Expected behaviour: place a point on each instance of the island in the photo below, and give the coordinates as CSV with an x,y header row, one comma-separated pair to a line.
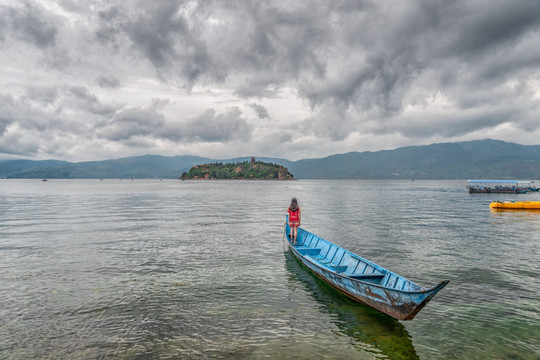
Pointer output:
x,y
252,170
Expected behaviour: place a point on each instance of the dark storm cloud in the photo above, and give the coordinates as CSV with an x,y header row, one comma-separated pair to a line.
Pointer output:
x,y
356,62
155,31
22,113
30,23
83,99
108,82
260,110
133,122
110,24
347,58
150,123
9,112
469,49
415,69
210,127
13,145
70,97
449,126
261,43
162,35
62,109
486,26
344,53
270,44
43,94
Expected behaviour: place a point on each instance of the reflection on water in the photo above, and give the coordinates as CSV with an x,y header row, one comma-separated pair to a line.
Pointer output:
x,y
371,330
516,213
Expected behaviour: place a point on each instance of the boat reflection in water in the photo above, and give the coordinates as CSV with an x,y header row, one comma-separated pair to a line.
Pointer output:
x,y
370,328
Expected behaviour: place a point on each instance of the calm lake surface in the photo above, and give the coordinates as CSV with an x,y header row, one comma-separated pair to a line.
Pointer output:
x,y
149,269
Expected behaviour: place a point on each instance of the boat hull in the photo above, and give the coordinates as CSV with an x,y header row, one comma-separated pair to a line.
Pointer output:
x,y
498,191
349,276
519,205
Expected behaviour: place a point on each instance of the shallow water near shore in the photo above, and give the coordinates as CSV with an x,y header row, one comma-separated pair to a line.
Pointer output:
x,y
133,269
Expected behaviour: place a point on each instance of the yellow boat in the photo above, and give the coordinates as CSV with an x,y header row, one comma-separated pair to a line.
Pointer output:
x,y
526,205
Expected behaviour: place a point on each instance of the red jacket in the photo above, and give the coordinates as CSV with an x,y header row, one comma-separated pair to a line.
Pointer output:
x,y
294,216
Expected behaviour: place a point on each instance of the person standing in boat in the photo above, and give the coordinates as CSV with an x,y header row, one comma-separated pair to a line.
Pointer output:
x,y
294,219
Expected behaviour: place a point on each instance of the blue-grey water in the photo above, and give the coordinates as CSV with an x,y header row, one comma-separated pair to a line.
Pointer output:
x,y
149,269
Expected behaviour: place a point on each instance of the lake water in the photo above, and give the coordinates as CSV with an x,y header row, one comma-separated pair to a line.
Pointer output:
x,y
149,269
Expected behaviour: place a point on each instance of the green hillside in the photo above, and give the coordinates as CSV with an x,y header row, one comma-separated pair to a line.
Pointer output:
x,y
147,166
256,170
462,160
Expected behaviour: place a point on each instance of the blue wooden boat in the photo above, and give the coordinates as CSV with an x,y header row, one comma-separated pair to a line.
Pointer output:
x,y
361,279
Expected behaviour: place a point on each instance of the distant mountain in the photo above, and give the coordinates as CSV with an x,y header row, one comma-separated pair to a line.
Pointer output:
x,y
147,166
15,166
490,159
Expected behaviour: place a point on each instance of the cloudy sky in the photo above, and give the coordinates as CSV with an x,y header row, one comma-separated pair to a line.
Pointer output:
x,y
91,80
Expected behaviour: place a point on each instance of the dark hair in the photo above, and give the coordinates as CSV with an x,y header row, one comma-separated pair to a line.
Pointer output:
x,y
294,204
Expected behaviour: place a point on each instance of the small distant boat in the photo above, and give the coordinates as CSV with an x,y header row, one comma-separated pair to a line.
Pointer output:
x,y
500,186
521,205
361,279
43,179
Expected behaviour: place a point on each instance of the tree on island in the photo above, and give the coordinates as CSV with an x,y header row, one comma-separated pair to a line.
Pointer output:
x,y
246,170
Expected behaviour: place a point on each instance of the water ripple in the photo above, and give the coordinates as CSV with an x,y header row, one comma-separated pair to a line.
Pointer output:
x,y
169,269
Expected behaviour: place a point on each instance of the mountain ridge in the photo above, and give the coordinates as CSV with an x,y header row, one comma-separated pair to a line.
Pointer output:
x,y
458,160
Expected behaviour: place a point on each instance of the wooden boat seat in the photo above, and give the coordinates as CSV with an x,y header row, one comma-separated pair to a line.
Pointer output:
x,y
338,269
366,276
321,260
308,251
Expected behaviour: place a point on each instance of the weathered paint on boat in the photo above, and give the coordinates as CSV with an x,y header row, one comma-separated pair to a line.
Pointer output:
x,y
361,279
520,205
